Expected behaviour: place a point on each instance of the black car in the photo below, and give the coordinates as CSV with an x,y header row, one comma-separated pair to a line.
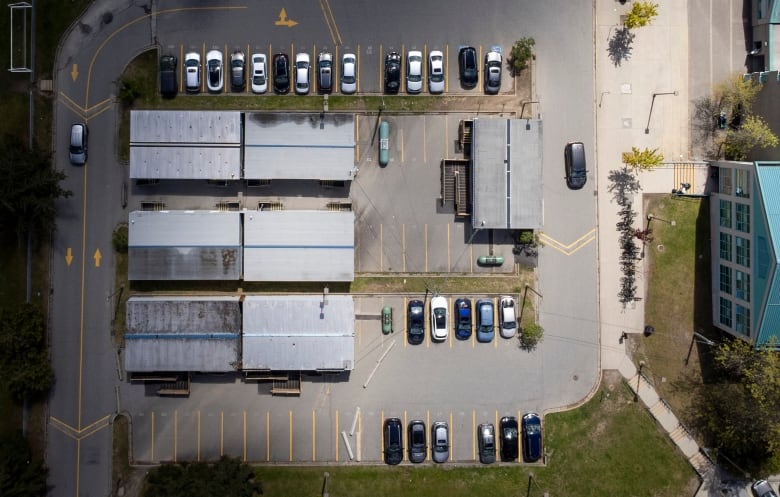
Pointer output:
x,y
417,447
168,81
325,72
532,437
393,441
574,159
281,65
415,317
463,319
392,72
509,441
467,64
237,70
486,443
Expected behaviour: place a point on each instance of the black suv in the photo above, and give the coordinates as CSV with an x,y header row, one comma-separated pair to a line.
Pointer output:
x,y
393,440
509,441
281,73
467,64
417,446
392,72
168,83
416,321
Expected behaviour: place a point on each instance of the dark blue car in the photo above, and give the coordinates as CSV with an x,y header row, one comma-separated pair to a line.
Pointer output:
x,y
415,325
463,319
532,437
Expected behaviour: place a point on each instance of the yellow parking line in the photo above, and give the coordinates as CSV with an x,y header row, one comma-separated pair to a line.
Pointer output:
x,y
452,436
479,73
182,74
221,433
446,65
403,67
381,61
425,142
403,245
357,69
474,435
198,449
202,75
423,68
152,435
313,435
267,436
426,247
225,62
175,433
337,435
403,441
244,436
496,425
449,306
496,334
381,248
405,319
291,435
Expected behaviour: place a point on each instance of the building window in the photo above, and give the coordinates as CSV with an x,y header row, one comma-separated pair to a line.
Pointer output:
x,y
724,180
725,213
725,312
725,247
742,217
742,321
742,187
725,279
760,9
742,285
743,251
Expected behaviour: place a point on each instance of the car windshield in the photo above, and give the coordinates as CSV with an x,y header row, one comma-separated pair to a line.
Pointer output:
x,y
214,72
440,315
532,428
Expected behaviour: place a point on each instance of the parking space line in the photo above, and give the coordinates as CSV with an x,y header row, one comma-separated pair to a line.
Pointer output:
x,y
182,74
446,134
446,80
452,437
381,248
423,68
360,436
404,323
224,60
357,72
203,59
496,336
313,436
496,425
428,426
267,436
425,142
247,77
519,456
474,435
245,436
337,435
403,245
221,433
175,434
426,247
152,436
403,73
452,318
357,150
479,73
403,442
449,264
198,443
291,433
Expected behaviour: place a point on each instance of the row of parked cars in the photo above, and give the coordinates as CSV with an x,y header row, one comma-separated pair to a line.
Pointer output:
x,y
279,72
509,440
462,322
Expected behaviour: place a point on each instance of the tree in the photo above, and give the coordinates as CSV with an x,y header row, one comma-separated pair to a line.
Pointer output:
x,y
641,14
752,133
24,361
20,474
640,160
228,476
29,189
735,95
531,336
521,53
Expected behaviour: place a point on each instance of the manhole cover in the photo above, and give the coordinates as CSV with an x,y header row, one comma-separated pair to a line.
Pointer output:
x,y
660,247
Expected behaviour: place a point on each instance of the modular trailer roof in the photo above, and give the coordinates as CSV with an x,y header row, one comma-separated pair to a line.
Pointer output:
x,y
299,146
182,334
185,144
184,245
299,246
506,173
299,333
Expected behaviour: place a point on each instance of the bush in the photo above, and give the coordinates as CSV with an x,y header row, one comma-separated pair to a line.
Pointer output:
x,y
522,51
531,336
119,239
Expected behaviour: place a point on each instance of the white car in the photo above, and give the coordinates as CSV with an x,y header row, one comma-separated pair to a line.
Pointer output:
x,y
348,73
302,63
214,70
436,71
508,317
439,328
192,72
259,74
414,63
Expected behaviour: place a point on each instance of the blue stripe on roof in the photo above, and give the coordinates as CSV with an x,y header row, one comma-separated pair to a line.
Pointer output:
x,y
179,336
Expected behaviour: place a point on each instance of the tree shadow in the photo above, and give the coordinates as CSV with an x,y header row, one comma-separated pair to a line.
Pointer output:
x,y
620,46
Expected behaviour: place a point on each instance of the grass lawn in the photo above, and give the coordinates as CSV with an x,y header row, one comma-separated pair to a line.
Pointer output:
x,y
610,446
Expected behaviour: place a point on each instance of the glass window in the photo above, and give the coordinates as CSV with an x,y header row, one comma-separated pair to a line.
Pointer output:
x,y
724,180
742,315
742,217
725,312
742,285
743,251
725,213
725,279
742,186
725,246
760,10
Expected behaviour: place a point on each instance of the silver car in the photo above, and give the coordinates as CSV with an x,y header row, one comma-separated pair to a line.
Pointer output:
x,y
348,73
414,63
440,442
508,317
302,63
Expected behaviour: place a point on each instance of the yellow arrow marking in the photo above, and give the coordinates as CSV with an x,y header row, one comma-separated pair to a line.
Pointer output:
x,y
68,256
97,257
283,21
74,72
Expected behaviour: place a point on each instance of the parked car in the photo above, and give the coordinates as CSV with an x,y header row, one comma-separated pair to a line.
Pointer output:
x,y
392,72
486,443
762,488
493,71
416,322
192,72
324,72
439,326
414,63
259,73
532,437
169,84
281,73
485,326
302,73
387,320
508,317
463,319
237,70
436,71
348,73
440,442
509,441
393,441
574,159
417,446
77,150
214,76
467,67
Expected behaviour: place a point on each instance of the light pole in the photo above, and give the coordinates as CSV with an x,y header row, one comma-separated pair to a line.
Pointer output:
x,y
522,109
652,103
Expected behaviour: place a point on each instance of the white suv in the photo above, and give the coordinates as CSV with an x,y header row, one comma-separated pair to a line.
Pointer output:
x,y
192,68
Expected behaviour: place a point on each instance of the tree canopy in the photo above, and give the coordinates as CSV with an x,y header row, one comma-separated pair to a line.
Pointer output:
x,y
753,132
641,14
24,361
642,159
228,476
20,475
521,53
